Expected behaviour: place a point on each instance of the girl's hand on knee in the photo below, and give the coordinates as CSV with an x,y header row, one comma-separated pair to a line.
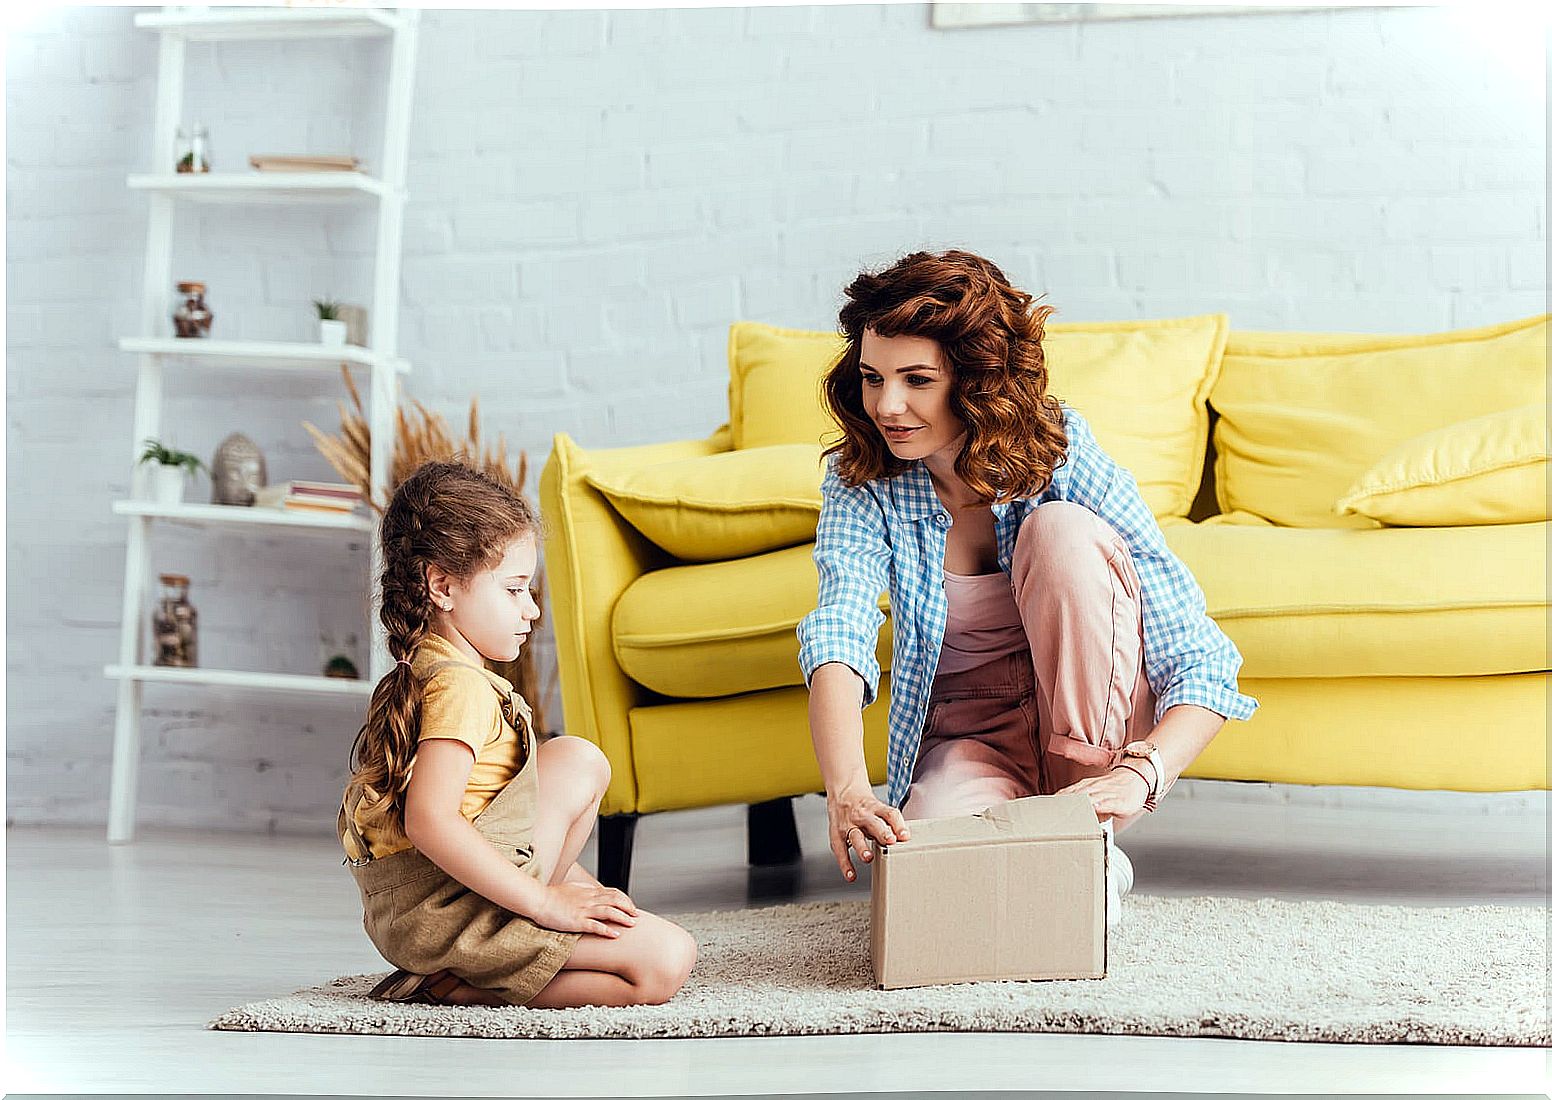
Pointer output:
x,y
857,817
586,907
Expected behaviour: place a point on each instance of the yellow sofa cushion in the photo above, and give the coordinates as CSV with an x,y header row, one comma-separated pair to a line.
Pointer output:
x,y
1392,601
721,506
1303,415
1488,469
704,631
1143,386
774,377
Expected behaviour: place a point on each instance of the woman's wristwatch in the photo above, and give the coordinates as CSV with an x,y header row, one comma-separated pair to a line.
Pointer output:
x,y
1145,750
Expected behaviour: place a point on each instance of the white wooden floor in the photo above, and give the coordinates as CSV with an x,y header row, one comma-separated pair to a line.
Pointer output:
x,y
118,955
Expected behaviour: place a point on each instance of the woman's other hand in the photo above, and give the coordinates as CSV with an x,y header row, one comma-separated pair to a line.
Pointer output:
x,y
1120,792
856,817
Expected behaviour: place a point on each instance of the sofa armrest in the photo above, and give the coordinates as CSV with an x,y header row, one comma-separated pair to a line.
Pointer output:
x,y
591,556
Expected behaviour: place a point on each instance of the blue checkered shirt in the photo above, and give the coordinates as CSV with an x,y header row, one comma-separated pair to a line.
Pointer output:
x,y
891,534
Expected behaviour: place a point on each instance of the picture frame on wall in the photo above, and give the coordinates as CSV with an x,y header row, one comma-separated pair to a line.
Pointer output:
x,y
955,16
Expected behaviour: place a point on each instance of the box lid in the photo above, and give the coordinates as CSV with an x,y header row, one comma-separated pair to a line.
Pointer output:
x,y
1038,817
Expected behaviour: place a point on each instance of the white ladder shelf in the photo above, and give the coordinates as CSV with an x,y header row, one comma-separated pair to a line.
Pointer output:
x,y
156,351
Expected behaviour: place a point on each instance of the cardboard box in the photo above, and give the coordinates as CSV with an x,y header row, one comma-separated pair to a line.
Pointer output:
x,y
1015,892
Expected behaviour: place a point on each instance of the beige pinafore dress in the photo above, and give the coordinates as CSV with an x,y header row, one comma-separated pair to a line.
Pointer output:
x,y
424,920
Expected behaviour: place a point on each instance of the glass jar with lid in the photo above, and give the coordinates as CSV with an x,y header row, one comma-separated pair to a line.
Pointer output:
x,y
192,317
175,624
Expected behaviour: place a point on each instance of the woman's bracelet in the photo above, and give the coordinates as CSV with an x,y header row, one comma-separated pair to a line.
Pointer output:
x,y
1138,774
1152,800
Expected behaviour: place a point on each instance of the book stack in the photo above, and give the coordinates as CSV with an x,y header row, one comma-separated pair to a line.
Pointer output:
x,y
276,162
311,496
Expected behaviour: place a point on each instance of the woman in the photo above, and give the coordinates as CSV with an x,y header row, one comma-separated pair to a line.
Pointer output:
x,y
1045,637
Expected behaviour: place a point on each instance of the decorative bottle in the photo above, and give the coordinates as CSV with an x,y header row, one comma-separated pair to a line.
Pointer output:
x,y
192,318
176,624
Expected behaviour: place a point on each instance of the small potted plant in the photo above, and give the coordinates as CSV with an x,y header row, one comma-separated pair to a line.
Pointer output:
x,y
331,330
170,470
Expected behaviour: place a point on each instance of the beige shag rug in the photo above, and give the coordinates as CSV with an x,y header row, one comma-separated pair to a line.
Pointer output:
x,y
1228,967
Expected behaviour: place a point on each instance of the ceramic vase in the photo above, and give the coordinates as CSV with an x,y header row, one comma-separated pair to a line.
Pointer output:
x,y
167,483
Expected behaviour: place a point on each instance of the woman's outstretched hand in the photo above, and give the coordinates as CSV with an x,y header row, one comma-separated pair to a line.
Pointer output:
x,y
1120,792
857,817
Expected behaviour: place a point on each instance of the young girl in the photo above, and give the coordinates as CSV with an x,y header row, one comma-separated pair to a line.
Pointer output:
x,y
461,830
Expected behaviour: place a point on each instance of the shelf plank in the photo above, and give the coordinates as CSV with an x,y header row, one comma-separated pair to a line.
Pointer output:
x,y
263,188
253,516
237,24
276,355
255,681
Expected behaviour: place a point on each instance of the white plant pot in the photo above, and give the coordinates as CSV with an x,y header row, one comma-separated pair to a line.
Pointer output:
x,y
331,334
167,484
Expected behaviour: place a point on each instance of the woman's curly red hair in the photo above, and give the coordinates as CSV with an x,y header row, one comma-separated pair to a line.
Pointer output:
x,y
990,333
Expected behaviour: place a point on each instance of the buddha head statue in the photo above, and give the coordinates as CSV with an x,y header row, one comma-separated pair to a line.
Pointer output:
x,y
237,471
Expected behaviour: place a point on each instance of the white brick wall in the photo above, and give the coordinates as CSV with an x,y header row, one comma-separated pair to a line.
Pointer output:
x,y
596,195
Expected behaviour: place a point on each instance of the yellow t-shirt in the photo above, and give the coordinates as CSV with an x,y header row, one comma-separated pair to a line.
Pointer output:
x,y
460,702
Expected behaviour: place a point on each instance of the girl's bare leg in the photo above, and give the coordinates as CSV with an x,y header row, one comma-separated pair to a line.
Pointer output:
x,y
647,964
650,960
573,775
579,873
585,986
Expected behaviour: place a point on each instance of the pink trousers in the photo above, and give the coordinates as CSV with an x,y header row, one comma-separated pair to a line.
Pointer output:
x,y
1039,719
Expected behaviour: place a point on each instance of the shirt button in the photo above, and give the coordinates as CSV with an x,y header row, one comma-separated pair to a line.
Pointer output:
x,y
942,519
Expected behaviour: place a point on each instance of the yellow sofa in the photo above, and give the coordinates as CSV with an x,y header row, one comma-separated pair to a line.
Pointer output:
x,y
1367,516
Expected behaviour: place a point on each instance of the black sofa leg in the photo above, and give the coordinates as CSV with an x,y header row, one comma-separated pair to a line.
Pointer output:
x,y
616,835
773,834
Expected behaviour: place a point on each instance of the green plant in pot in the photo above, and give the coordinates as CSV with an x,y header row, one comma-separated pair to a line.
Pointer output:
x,y
331,330
341,667
170,470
